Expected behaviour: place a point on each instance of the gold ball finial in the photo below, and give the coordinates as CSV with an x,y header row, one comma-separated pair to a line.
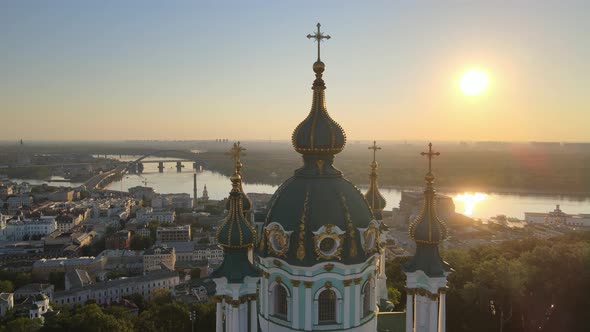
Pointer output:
x,y
319,67
235,178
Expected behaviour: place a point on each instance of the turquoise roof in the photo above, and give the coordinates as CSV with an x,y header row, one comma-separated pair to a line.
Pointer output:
x,y
427,259
235,266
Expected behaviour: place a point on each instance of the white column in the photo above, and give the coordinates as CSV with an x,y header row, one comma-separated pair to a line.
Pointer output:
x,y
433,315
235,318
346,318
219,317
308,306
253,316
295,304
442,317
410,313
357,301
228,318
243,310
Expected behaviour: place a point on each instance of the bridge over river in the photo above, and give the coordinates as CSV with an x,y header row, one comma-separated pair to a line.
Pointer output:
x,y
100,181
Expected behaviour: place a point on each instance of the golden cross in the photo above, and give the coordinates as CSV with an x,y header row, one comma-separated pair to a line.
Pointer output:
x,y
318,36
430,155
236,151
374,147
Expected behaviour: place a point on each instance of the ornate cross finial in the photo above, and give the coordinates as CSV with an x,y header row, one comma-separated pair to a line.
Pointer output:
x,y
236,152
318,36
374,147
430,155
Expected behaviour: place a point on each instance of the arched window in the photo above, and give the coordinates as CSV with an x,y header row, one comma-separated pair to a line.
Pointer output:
x,y
367,305
327,307
280,302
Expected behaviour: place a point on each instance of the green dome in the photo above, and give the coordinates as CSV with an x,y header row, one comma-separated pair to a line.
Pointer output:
x,y
427,228
236,231
376,201
304,203
318,133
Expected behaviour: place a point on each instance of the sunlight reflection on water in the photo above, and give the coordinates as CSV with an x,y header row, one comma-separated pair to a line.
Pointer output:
x,y
470,200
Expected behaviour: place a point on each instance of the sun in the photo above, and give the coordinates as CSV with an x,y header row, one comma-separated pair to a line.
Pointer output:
x,y
474,82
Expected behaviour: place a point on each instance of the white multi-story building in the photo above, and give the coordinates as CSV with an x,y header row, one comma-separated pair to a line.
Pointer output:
x,y
66,221
17,229
157,257
114,290
144,215
212,253
94,265
558,217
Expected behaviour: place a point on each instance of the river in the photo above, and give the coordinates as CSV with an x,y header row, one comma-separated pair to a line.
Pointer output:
x,y
476,205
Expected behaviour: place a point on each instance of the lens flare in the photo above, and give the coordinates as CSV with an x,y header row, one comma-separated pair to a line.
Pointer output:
x,y
470,200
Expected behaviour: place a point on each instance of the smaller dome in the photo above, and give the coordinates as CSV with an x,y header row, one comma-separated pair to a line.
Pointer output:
x,y
318,133
236,231
427,228
376,201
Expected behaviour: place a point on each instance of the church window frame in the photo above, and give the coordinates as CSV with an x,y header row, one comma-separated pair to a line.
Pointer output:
x,y
320,304
281,302
327,306
277,289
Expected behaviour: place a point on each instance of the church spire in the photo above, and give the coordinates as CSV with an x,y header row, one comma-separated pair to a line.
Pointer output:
x,y
236,152
426,273
318,134
428,229
236,231
373,196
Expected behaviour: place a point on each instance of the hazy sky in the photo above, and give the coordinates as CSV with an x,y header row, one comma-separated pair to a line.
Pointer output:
x,y
242,70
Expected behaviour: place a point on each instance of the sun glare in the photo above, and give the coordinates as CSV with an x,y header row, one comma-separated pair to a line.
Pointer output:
x,y
473,82
470,200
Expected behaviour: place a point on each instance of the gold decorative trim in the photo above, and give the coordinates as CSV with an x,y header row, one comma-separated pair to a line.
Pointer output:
x,y
328,284
320,164
279,237
301,244
278,279
352,249
266,274
295,283
357,281
328,267
328,234
308,284
277,262
370,238
347,282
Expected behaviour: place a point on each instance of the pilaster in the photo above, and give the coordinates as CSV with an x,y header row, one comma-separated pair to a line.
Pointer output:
x,y
309,305
357,301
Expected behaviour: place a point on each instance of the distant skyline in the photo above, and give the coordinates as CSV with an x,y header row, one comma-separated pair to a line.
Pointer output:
x,y
188,70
